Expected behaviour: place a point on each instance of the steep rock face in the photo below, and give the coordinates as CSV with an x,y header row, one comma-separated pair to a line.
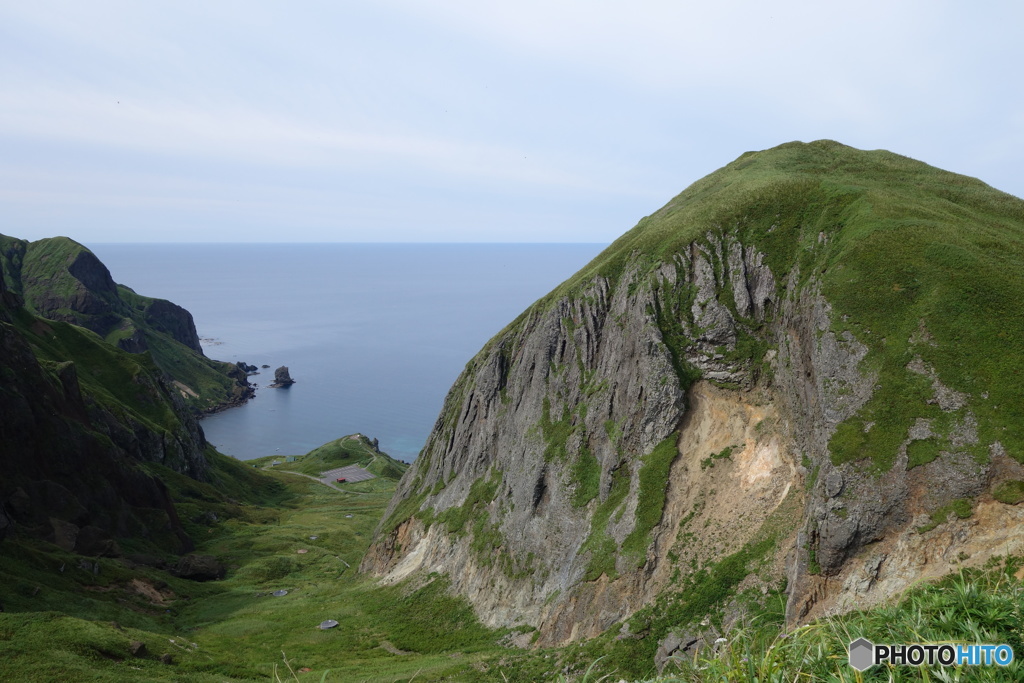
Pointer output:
x,y
175,321
573,418
758,381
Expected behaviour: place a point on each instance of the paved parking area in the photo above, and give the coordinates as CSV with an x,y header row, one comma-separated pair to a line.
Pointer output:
x,y
352,473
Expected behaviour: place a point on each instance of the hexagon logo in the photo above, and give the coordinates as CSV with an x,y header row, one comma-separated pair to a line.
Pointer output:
x,y
862,654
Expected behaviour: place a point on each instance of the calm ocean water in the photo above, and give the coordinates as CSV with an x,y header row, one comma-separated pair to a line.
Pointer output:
x,y
373,334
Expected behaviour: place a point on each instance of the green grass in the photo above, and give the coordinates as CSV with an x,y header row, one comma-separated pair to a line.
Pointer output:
x,y
602,547
57,625
973,606
481,493
123,382
961,507
354,449
586,478
703,592
724,454
1010,492
557,432
654,470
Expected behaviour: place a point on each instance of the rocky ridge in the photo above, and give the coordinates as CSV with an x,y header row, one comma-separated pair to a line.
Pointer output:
x,y
712,397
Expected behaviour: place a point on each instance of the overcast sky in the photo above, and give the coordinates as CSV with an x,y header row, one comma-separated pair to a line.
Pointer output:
x,y
461,120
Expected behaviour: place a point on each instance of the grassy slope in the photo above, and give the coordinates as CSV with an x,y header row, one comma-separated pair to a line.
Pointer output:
x,y
896,246
974,606
115,378
58,624
354,449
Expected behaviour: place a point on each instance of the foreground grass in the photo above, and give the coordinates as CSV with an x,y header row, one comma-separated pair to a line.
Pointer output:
x,y
974,606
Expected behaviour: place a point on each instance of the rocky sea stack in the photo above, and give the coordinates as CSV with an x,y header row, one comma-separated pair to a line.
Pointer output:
x,y
282,378
804,370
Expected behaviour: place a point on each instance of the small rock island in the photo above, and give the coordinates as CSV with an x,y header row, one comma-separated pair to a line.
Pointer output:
x,y
282,378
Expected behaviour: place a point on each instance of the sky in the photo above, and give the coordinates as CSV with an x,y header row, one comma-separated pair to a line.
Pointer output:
x,y
467,121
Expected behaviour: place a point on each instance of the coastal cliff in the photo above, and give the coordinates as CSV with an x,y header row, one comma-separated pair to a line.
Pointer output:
x,y
800,372
61,280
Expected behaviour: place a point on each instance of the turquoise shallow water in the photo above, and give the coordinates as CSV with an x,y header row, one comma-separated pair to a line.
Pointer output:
x,y
373,334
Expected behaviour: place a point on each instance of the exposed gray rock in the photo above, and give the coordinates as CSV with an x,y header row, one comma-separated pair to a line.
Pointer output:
x,y
598,364
169,317
834,484
282,378
596,374
681,645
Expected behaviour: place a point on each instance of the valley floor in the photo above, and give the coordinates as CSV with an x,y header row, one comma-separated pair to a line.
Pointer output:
x,y
73,618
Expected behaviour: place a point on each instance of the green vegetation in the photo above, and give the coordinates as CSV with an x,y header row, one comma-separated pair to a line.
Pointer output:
x,y
1010,492
923,267
961,507
124,383
557,432
672,306
56,275
354,449
207,378
60,624
586,478
602,547
974,606
72,618
724,454
897,247
703,592
481,493
654,472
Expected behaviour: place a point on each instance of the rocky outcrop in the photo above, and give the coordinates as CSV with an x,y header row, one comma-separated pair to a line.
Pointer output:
x,y
712,399
282,378
175,321
200,568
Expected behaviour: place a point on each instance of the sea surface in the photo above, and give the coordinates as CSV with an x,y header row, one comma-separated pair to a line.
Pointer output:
x,y
373,334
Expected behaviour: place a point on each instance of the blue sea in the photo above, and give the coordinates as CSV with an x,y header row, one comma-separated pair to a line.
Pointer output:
x,y
373,334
